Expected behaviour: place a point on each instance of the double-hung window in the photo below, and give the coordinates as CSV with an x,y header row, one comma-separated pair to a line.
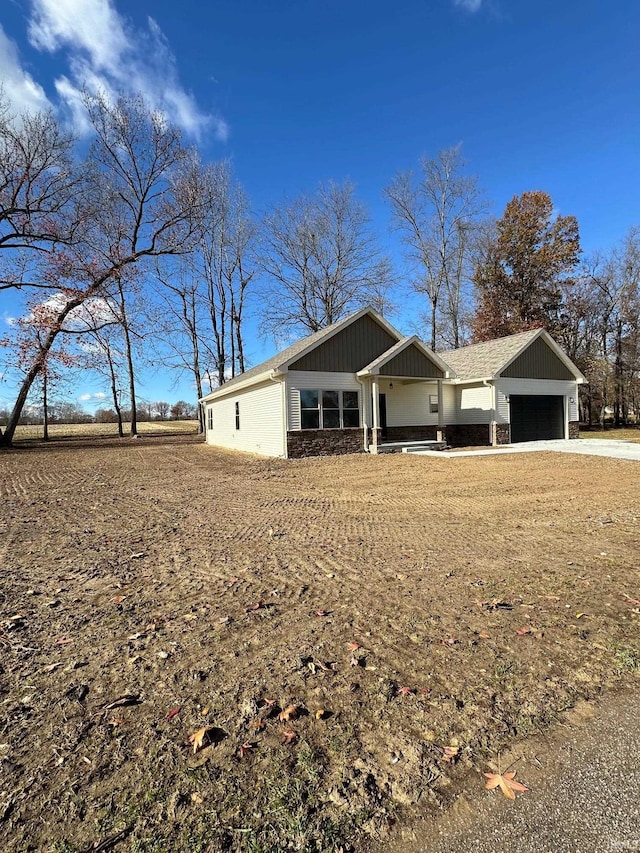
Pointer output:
x,y
210,417
326,409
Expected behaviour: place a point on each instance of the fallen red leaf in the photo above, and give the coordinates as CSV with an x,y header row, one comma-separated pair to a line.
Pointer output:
x,y
353,647
172,713
289,736
253,607
246,747
321,612
406,691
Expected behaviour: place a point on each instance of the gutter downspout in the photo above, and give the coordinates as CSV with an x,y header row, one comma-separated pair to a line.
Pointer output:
x,y
362,384
278,376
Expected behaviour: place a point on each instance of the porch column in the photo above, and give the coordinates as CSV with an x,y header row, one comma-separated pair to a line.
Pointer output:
x,y
440,410
366,396
376,413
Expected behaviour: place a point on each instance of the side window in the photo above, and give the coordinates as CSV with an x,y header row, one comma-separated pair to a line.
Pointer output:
x,y
330,410
350,410
210,417
433,404
237,415
309,409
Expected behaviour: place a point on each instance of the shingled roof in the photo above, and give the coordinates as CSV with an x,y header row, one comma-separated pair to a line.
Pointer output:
x,y
482,361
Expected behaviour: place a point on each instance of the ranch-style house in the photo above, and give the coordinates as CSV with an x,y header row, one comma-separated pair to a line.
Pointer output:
x,y
360,386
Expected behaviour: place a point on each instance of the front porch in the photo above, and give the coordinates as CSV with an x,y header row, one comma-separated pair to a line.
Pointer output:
x,y
402,411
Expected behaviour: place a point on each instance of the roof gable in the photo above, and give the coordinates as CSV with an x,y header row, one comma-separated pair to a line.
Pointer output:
x,y
409,357
350,349
496,358
537,361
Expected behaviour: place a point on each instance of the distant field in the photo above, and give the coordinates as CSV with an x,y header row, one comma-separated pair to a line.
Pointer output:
x,y
622,434
24,433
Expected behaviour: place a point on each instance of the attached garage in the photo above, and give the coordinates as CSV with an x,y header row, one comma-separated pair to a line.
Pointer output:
x,y
536,417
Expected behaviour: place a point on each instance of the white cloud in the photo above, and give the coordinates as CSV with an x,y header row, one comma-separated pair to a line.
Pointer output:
x,y
22,91
468,5
85,398
106,54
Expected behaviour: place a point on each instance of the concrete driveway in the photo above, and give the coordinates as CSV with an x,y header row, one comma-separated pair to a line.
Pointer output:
x,y
586,446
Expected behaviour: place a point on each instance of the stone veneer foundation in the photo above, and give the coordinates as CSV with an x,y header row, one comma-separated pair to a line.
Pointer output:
x,y
324,442
501,434
467,435
336,442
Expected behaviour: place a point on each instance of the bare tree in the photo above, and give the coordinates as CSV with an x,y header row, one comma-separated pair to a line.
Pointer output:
x,y
103,353
320,259
437,213
142,201
203,295
224,265
180,322
38,181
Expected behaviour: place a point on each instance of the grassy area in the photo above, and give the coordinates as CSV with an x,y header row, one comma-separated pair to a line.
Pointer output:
x,y
619,434
29,433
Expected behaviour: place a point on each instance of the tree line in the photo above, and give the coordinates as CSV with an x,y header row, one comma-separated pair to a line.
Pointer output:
x,y
138,253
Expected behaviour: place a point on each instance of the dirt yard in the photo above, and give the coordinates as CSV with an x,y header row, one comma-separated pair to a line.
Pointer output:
x,y
419,615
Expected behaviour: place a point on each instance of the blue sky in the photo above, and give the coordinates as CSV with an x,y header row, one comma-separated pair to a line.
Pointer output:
x,y
542,95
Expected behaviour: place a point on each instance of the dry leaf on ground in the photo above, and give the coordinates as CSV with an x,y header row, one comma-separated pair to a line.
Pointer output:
x,y
199,738
289,713
246,748
506,782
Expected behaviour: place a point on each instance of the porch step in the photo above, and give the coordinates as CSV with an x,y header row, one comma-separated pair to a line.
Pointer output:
x,y
410,446
425,445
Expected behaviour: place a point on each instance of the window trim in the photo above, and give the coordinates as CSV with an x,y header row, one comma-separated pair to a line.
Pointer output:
x,y
209,417
237,409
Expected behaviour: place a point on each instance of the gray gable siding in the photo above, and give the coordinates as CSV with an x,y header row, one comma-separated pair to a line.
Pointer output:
x,y
538,361
350,350
411,362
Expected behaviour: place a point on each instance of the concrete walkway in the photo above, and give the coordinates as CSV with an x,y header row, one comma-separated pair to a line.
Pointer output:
x,y
584,781
587,446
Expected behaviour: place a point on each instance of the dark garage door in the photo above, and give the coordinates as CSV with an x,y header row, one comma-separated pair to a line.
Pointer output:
x,y
536,418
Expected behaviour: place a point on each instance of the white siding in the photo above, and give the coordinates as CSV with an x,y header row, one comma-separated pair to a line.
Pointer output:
x,y
261,427
566,389
300,380
408,405
473,404
449,404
